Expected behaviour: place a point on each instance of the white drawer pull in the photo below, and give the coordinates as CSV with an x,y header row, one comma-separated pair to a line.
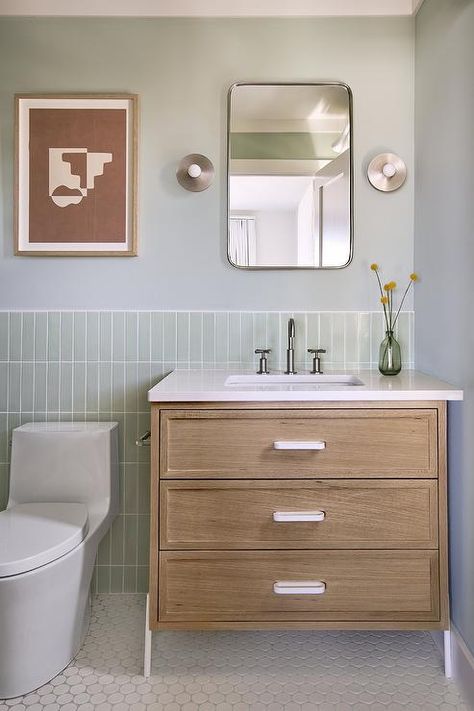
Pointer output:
x,y
299,445
299,587
289,516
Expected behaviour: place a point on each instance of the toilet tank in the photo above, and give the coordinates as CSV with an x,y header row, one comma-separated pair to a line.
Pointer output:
x,y
65,462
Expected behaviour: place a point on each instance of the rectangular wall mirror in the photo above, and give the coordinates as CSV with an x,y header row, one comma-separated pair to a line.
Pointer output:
x,y
289,176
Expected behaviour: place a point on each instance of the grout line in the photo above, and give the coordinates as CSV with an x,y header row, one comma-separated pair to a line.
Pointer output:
x,y
150,339
240,334
305,337
202,337
98,338
111,354
162,338
344,354
33,400
192,311
73,346
21,361
60,356
47,364
137,426
331,337
189,339
124,438
9,369
214,338
370,338
98,373
176,354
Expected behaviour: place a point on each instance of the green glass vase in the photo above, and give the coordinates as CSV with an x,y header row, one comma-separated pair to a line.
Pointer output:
x,y
390,359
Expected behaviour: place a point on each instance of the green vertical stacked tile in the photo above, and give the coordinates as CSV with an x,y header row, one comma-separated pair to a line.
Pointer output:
x,y
99,365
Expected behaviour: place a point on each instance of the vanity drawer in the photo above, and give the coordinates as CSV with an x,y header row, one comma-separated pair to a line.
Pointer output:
x,y
267,443
384,586
394,513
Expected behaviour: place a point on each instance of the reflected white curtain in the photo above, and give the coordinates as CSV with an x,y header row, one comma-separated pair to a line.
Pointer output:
x,y
243,241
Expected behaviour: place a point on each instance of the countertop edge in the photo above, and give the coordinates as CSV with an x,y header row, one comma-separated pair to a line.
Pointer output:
x,y
373,396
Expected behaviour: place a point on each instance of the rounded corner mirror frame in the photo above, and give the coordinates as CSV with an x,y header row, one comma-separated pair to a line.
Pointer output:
x,y
230,94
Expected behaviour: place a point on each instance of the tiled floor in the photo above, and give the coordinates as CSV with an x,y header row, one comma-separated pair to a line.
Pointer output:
x,y
243,671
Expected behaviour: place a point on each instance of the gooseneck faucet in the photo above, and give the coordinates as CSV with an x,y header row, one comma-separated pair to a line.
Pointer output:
x,y
290,353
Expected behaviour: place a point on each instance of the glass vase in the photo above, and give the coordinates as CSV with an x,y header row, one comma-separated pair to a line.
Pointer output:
x,y
390,359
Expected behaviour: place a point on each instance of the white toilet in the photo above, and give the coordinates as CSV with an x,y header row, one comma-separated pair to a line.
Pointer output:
x,y
64,494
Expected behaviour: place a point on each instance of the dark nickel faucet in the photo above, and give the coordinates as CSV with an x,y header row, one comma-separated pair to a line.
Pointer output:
x,y
290,353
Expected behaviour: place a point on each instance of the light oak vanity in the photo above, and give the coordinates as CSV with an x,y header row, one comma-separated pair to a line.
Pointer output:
x,y
299,508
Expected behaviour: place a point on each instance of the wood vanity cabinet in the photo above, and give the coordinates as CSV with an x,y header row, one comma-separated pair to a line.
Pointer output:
x,y
226,477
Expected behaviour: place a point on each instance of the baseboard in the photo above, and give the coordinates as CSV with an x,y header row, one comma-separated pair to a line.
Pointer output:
x,y
463,662
463,666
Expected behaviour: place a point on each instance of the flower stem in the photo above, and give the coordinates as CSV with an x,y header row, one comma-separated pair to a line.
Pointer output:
x,y
382,295
401,302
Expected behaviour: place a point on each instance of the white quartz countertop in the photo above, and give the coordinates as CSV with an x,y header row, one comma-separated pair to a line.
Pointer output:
x,y
208,385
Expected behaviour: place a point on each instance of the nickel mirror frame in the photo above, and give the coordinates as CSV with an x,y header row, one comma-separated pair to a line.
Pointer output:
x,y
351,169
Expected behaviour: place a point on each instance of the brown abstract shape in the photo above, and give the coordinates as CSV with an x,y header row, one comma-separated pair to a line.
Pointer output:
x,y
63,190
78,163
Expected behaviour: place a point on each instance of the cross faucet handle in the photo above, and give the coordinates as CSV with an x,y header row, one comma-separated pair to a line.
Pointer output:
x,y
316,360
263,362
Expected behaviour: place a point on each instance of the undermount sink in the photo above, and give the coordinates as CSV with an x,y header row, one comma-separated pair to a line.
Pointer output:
x,y
297,379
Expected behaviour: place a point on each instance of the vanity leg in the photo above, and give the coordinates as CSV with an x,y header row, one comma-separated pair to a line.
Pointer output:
x,y
148,636
448,655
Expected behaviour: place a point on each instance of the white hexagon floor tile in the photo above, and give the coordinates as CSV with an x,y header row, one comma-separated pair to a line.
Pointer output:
x,y
243,671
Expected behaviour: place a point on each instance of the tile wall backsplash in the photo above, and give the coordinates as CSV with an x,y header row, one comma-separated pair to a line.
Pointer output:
x,y
98,365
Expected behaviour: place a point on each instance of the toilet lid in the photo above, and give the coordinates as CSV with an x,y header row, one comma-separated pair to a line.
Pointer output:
x,y
32,535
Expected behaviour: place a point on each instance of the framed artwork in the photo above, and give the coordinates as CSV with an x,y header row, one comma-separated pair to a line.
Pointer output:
x,y
75,177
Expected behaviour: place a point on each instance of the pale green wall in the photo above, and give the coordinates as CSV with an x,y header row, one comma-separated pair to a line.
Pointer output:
x,y
182,69
444,251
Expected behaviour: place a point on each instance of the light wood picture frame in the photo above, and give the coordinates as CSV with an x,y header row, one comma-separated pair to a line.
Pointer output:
x,y
75,187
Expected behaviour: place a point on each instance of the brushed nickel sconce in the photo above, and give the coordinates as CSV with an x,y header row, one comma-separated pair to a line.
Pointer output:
x,y
195,172
387,172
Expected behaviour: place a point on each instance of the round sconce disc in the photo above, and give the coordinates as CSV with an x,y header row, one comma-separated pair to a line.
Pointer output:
x,y
202,179
387,172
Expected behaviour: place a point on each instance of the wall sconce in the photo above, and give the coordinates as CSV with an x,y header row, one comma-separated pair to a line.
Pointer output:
x,y
387,172
195,172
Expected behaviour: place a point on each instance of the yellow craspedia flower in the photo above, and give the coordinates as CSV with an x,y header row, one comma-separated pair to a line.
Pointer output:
x,y
390,285
414,276
384,300
374,266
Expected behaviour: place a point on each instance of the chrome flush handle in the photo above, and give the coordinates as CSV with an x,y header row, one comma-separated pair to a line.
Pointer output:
x,y
144,440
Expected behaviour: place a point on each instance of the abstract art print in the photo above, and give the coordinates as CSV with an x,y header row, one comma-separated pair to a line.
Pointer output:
x,y
75,181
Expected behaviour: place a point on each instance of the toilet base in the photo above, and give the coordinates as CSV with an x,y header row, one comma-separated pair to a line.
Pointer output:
x,y
44,616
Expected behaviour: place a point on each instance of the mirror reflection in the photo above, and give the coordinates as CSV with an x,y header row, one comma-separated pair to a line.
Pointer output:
x,y
289,176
